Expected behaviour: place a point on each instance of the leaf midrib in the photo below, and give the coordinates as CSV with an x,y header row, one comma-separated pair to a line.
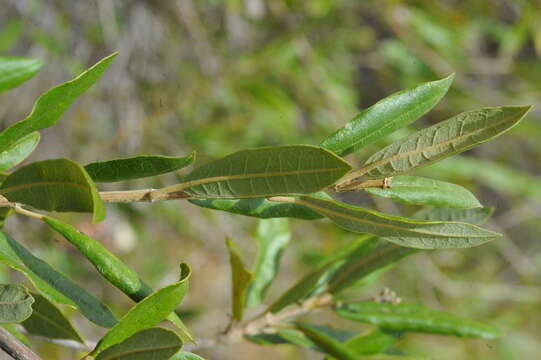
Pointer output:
x,y
58,325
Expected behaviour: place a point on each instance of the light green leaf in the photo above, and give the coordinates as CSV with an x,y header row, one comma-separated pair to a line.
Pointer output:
x,y
149,344
51,105
16,70
146,313
327,343
53,284
441,140
136,167
477,216
54,185
107,264
15,303
184,355
48,321
409,317
375,342
241,278
267,171
399,230
272,236
18,151
386,116
422,191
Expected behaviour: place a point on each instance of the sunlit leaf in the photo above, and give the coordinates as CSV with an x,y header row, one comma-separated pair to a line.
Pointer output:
x,y
18,151
185,355
16,70
15,303
241,278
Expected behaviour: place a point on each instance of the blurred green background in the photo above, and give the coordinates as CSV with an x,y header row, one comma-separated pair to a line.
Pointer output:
x,y
218,76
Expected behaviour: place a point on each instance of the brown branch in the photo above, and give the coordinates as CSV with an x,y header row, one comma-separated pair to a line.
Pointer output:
x,y
14,348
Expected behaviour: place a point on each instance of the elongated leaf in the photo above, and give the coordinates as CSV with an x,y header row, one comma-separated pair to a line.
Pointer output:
x,y
185,355
272,236
422,191
149,344
241,278
18,151
54,185
107,264
15,303
267,171
477,216
53,284
375,342
399,230
386,116
259,208
409,317
327,343
51,105
48,321
136,167
16,70
444,139
147,313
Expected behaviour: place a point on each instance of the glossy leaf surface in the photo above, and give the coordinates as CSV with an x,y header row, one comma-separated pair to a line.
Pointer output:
x,y
54,185
15,303
272,236
409,317
51,105
423,191
386,116
267,171
149,344
16,70
18,151
136,167
53,284
48,321
241,278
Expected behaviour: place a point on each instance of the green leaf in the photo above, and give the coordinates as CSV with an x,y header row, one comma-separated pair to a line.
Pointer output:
x,y
272,236
54,185
386,116
53,284
149,344
48,321
184,355
267,171
375,342
147,313
136,167
18,151
449,137
259,208
477,216
327,343
5,212
399,230
51,105
241,277
422,191
15,303
16,70
409,317
107,264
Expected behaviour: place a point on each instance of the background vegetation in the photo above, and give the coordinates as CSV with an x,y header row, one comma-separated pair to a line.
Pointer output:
x,y
218,76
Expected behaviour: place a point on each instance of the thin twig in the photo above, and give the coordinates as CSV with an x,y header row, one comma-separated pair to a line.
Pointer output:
x,y
14,348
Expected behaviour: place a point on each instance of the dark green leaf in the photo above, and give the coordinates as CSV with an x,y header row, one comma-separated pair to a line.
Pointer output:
x,y
399,230
48,321
272,236
53,284
241,278
441,140
149,344
16,70
267,171
54,185
107,264
136,167
477,216
375,342
386,116
51,105
147,313
18,151
422,191
15,303
327,343
409,317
